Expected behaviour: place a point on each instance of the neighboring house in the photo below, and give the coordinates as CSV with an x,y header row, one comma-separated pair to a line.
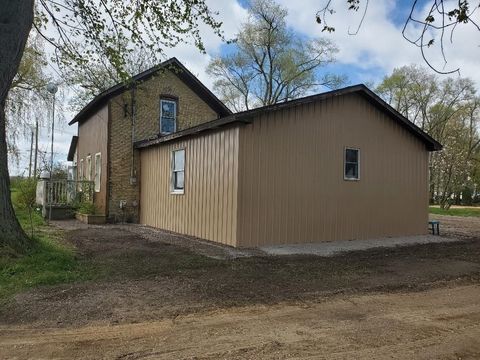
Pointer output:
x,y
341,165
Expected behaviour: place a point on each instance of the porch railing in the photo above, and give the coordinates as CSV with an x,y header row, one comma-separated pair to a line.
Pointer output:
x,y
64,192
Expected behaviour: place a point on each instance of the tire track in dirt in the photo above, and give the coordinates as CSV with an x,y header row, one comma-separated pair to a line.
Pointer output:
x,y
442,323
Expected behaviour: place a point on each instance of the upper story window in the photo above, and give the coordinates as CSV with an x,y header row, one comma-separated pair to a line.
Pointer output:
x,y
168,116
178,171
352,164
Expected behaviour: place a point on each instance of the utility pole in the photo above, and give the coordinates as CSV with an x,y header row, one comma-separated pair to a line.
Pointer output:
x,y
35,161
52,89
31,153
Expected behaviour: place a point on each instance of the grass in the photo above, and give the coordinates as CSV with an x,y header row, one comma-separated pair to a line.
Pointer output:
x,y
48,262
455,211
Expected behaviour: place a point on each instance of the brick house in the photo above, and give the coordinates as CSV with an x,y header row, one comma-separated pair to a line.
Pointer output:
x,y
340,165
167,99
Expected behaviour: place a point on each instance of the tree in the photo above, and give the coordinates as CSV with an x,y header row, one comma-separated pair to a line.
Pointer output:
x,y
448,110
27,103
100,26
91,81
438,23
269,63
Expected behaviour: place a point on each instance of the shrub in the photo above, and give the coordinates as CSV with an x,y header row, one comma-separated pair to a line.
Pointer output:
x,y
86,208
26,198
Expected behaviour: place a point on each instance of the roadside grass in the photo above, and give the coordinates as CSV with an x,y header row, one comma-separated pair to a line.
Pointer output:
x,y
454,211
49,261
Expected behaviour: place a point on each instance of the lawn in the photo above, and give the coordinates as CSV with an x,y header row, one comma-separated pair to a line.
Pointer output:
x,y
456,211
50,261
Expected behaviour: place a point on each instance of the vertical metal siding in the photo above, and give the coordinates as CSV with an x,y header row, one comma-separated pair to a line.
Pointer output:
x,y
291,186
207,209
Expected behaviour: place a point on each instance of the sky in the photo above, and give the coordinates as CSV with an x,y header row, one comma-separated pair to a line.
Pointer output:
x,y
366,57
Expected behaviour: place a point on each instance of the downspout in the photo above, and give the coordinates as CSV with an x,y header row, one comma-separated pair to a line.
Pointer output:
x,y
133,173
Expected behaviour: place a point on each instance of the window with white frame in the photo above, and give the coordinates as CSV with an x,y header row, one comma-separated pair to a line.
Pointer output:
x,y
168,116
98,171
89,168
80,170
178,171
352,164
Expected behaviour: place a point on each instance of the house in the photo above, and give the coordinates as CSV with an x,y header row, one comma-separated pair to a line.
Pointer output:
x,y
340,165
166,99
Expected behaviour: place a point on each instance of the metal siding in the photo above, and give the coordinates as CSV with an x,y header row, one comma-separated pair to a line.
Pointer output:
x,y
291,186
207,209
92,139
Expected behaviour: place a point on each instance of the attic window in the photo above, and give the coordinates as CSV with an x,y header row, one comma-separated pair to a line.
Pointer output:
x,y
352,164
168,116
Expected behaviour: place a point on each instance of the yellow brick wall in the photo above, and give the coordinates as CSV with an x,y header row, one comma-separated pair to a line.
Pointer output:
x,y
191,111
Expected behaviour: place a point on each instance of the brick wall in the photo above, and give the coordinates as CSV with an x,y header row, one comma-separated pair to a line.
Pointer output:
x,y
192,110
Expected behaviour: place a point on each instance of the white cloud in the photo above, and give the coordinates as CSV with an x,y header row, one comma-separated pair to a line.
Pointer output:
x,y
379,45
231,14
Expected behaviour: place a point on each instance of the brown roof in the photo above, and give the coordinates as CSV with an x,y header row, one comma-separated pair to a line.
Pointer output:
x,y
247,116
179,70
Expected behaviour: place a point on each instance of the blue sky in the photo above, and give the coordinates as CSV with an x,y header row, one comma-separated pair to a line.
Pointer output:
x,y
365,58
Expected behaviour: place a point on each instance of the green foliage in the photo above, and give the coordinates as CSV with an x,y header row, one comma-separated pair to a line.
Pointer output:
x,y
49,262
27,100
26,199
86,208
448,109
455,211
92,34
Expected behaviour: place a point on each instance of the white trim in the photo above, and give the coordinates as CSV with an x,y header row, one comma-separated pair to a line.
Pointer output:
x,y
345,163
98,155
81,173
174,116
174,191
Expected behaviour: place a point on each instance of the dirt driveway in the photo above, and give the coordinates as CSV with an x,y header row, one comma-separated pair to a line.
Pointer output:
x,y
160,300
435,324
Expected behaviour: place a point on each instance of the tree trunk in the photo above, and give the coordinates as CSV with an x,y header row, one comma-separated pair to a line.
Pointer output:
x,y
16,18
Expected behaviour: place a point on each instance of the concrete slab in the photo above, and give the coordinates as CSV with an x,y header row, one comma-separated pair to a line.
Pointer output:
x,y
335,247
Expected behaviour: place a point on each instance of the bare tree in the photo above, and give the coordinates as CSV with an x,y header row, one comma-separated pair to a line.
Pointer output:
x,y
437,26
269,63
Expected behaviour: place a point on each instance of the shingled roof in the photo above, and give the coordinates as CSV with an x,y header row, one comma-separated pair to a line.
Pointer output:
x,y
172,64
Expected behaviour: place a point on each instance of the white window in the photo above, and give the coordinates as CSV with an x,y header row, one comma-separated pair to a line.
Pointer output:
x,y
98,171
89,168
168,116
352,164
80,171
178,171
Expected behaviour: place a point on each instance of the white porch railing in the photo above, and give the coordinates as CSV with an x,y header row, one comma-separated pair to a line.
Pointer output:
x,y
63,192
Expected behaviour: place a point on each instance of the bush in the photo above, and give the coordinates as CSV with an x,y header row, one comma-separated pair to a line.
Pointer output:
x,y
26,198
86,208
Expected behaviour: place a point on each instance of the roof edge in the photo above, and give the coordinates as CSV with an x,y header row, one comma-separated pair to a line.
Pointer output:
x,y
184,74
72,148
247,117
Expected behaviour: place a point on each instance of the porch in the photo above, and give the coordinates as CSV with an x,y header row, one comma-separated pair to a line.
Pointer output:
x,y
61,199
